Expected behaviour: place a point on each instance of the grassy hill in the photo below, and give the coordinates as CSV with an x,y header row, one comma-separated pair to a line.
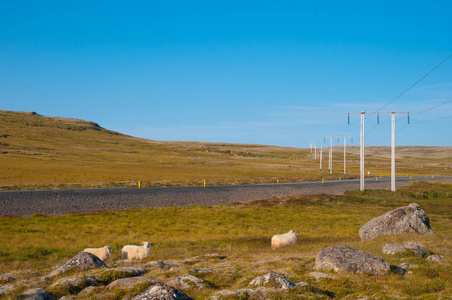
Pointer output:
x,y
51,152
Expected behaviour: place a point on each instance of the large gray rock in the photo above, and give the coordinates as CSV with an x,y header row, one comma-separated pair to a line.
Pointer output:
x,y
402,247
403,219
346,259
82,260
272,279
162,291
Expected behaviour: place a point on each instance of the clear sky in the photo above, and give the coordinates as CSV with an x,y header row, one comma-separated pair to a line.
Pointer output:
x,y
266,72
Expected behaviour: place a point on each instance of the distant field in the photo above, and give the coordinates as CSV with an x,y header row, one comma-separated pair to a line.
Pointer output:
x,y
50,152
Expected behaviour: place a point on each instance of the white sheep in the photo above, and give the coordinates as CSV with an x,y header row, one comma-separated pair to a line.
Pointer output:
x,y
103,253
286,239
136,252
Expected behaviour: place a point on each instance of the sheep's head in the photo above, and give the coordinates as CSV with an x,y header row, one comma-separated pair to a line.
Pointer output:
x,y
109,249
293,232
147,245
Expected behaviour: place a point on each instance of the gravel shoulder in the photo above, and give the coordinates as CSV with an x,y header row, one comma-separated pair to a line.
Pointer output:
x,y
58,202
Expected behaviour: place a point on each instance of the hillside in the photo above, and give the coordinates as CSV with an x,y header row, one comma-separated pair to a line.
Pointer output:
x,y
51,152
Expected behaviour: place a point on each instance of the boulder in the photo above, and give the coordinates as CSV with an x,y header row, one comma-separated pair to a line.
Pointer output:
x,y
82,260
346,259
403,219
162,291
402,247
187,281
272,279
36,294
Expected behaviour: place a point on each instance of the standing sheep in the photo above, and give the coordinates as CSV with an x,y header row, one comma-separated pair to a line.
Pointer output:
x,y
103,253
136,252
286,239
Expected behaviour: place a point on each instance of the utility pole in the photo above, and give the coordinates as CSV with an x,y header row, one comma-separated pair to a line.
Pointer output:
x,y
321,150
361,148
331,152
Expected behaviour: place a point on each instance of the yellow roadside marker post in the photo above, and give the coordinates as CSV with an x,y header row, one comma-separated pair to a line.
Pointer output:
x,y
139,184
323,179
204,183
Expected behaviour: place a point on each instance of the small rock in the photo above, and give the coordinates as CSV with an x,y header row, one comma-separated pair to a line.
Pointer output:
x,y
214,256
159,264
201,271
272,279
235,294
6,279
130,282
408,266
434,258
162,292
403,219
320,275
400,271
187,281
6,289
346,259
399,248
36,294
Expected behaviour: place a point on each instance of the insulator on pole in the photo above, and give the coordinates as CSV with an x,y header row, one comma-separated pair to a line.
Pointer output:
x,y
348,119
352,140
408,118
378,118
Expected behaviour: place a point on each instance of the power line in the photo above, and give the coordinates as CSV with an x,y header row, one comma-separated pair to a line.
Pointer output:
x,y
414,83
414,123
431,108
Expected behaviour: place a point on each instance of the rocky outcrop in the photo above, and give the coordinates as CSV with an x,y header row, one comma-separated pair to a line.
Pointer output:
x,y
187,281
417,250
343,258
82,260
162,292
403,219
274,280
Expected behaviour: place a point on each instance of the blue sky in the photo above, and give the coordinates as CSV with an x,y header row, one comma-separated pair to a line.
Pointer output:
x,y
266,72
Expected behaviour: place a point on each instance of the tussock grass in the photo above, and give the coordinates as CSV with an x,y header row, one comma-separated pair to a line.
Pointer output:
x,y
241,232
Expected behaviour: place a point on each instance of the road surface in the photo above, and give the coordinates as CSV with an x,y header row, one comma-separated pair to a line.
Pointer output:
x,y
57,202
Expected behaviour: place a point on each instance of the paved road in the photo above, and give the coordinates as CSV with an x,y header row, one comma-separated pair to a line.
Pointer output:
x,y
57,202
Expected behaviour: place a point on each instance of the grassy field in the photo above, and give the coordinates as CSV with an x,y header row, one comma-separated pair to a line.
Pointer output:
x,y
50,152
241,232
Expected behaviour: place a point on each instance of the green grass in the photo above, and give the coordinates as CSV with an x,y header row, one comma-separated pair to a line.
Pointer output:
x,y
241,232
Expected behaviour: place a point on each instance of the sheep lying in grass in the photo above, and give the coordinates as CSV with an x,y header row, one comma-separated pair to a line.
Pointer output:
x,y
136,252
103,253
286,239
